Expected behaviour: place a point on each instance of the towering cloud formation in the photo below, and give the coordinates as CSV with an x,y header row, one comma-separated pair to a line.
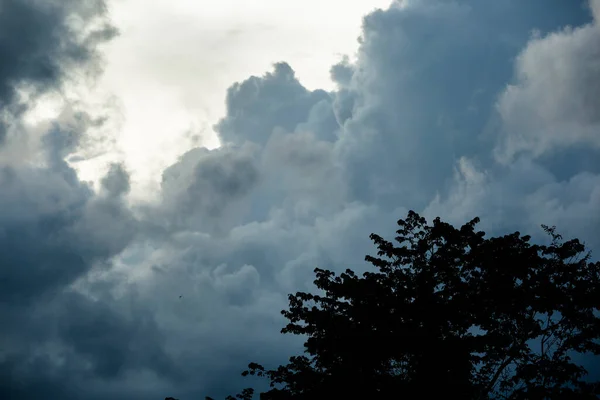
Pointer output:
x,y
455,109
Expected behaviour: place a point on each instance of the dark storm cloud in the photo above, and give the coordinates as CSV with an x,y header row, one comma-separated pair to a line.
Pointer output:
x,y
41,41
422,93
79,343
109,301
38,208
111,342
54,229
54,232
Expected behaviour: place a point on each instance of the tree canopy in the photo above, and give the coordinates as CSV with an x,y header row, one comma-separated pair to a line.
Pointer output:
x,y
446,312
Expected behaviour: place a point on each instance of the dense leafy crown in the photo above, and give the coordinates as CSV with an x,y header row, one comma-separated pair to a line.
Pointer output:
x,y
447,313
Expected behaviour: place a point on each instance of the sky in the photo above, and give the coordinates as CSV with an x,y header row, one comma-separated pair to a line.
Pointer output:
x,y
171,170
171,65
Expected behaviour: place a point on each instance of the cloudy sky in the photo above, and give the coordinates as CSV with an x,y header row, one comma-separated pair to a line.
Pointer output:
x,y
157,149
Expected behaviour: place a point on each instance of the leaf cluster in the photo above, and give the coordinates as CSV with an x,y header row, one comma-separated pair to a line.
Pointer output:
x,y
446,312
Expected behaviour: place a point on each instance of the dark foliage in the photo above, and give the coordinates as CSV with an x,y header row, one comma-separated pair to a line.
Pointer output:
x,y
446,313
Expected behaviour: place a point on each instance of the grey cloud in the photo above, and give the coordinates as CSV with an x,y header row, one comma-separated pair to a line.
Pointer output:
x,y
79,344
260,104
554,102
238,286
111,342
301,181
301,176
400,123
342,72
116,182
205,186
54,231
546,143
523,196
495,194
321,121
233,286
422,92
40,58
38,206
217,190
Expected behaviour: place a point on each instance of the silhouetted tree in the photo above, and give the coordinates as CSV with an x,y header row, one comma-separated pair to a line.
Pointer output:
x,y
447,313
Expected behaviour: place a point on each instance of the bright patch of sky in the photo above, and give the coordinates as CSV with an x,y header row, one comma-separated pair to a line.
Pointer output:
x,y
173,61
